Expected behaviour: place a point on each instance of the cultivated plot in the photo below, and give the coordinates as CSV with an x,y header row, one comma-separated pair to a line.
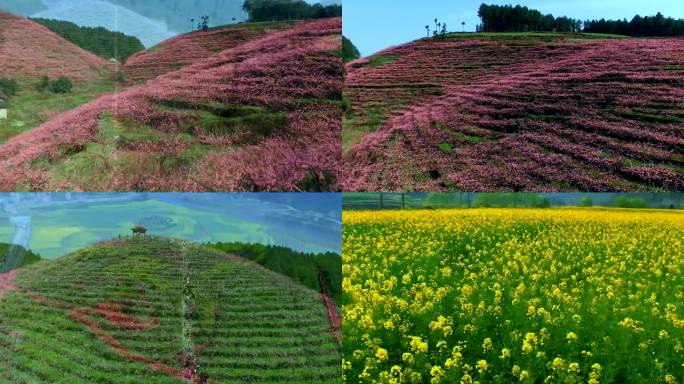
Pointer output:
x,y
155,310
513,295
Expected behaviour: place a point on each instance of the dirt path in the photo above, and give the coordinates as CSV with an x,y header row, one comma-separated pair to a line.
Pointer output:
x,y
333,314
7,282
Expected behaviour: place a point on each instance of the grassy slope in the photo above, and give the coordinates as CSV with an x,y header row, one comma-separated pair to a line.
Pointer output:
x,y
241,323
534,37
30,108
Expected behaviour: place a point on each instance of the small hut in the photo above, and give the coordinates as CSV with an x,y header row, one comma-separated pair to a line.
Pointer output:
x,y
139,230
3,105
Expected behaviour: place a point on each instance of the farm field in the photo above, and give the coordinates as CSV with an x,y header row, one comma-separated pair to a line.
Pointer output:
x,y
158,310
232,109
517,111
566,295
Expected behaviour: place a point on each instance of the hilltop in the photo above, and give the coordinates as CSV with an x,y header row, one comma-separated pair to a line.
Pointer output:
x,y
517,111
179,51
28,49
157,310
262,115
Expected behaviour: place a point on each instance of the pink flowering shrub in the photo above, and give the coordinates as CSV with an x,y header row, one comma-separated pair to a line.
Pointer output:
x,y
486,115
186,49
292,72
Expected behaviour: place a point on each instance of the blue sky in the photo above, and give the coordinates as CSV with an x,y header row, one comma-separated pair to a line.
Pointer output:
x,y
374,25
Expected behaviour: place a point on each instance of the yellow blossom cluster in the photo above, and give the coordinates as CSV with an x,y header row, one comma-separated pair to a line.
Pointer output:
x,y
513,296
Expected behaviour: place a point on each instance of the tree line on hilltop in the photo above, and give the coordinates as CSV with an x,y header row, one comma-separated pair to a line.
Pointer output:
x,y
275,10
657,25
508,18
100,41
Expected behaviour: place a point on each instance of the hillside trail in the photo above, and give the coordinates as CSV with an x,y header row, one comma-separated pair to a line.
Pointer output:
x,y
7,282
333,314
412,121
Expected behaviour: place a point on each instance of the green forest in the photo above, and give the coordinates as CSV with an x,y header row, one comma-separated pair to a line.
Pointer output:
x,y
508,18
349,50
28,258
657,25
100,41
273,10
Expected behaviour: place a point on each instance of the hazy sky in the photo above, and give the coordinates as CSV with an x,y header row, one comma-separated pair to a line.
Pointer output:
x,y
54,224
373,25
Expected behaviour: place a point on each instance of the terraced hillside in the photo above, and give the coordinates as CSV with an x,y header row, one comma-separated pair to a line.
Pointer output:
x,y
155,310
261,116
183,50
535,112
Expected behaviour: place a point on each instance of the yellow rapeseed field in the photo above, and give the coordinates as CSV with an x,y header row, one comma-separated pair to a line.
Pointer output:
x,y
513,295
